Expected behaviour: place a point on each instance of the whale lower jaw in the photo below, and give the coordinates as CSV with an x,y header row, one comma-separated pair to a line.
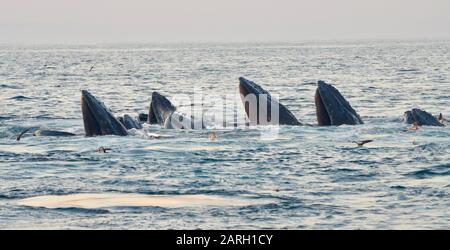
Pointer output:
x,y
261,108
97,119
160,109
163,113
332,109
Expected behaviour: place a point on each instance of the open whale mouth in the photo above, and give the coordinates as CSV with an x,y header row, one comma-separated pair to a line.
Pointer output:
x,y
160,109
261,108
332,108
97,119
422,118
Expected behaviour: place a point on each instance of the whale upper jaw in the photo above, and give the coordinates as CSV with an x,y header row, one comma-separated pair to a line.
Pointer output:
x,y
163,113
252,92
98,120
332,109
160,109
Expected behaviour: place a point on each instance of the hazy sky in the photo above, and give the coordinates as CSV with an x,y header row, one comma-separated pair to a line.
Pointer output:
x,y
97,21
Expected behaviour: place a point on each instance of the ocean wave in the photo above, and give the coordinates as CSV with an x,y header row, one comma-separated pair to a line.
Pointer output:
x,y
6,86
433,171
20,98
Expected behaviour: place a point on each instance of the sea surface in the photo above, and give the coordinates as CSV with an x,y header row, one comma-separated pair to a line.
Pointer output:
x,y
304,177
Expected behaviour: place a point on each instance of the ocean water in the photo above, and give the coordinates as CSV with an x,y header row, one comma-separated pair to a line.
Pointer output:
x,y
305,177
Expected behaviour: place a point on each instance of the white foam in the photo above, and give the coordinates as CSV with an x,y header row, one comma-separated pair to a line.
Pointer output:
x,y
104,200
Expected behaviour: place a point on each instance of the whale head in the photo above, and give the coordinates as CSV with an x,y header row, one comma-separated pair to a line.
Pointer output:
x,y
258,103
99,120
422,118
160,109
332,109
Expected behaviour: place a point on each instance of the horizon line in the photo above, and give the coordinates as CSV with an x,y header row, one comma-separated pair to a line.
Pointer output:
x,y
136,42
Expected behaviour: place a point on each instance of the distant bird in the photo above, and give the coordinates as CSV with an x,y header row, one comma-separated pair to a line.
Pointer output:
x,y
92,67
103,150
361,143
212,136
414,127
21,134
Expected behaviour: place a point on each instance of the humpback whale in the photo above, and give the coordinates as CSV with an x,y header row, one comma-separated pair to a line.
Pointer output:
x,y
250,93
160,109
163,113
97,119
421,117
332,108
